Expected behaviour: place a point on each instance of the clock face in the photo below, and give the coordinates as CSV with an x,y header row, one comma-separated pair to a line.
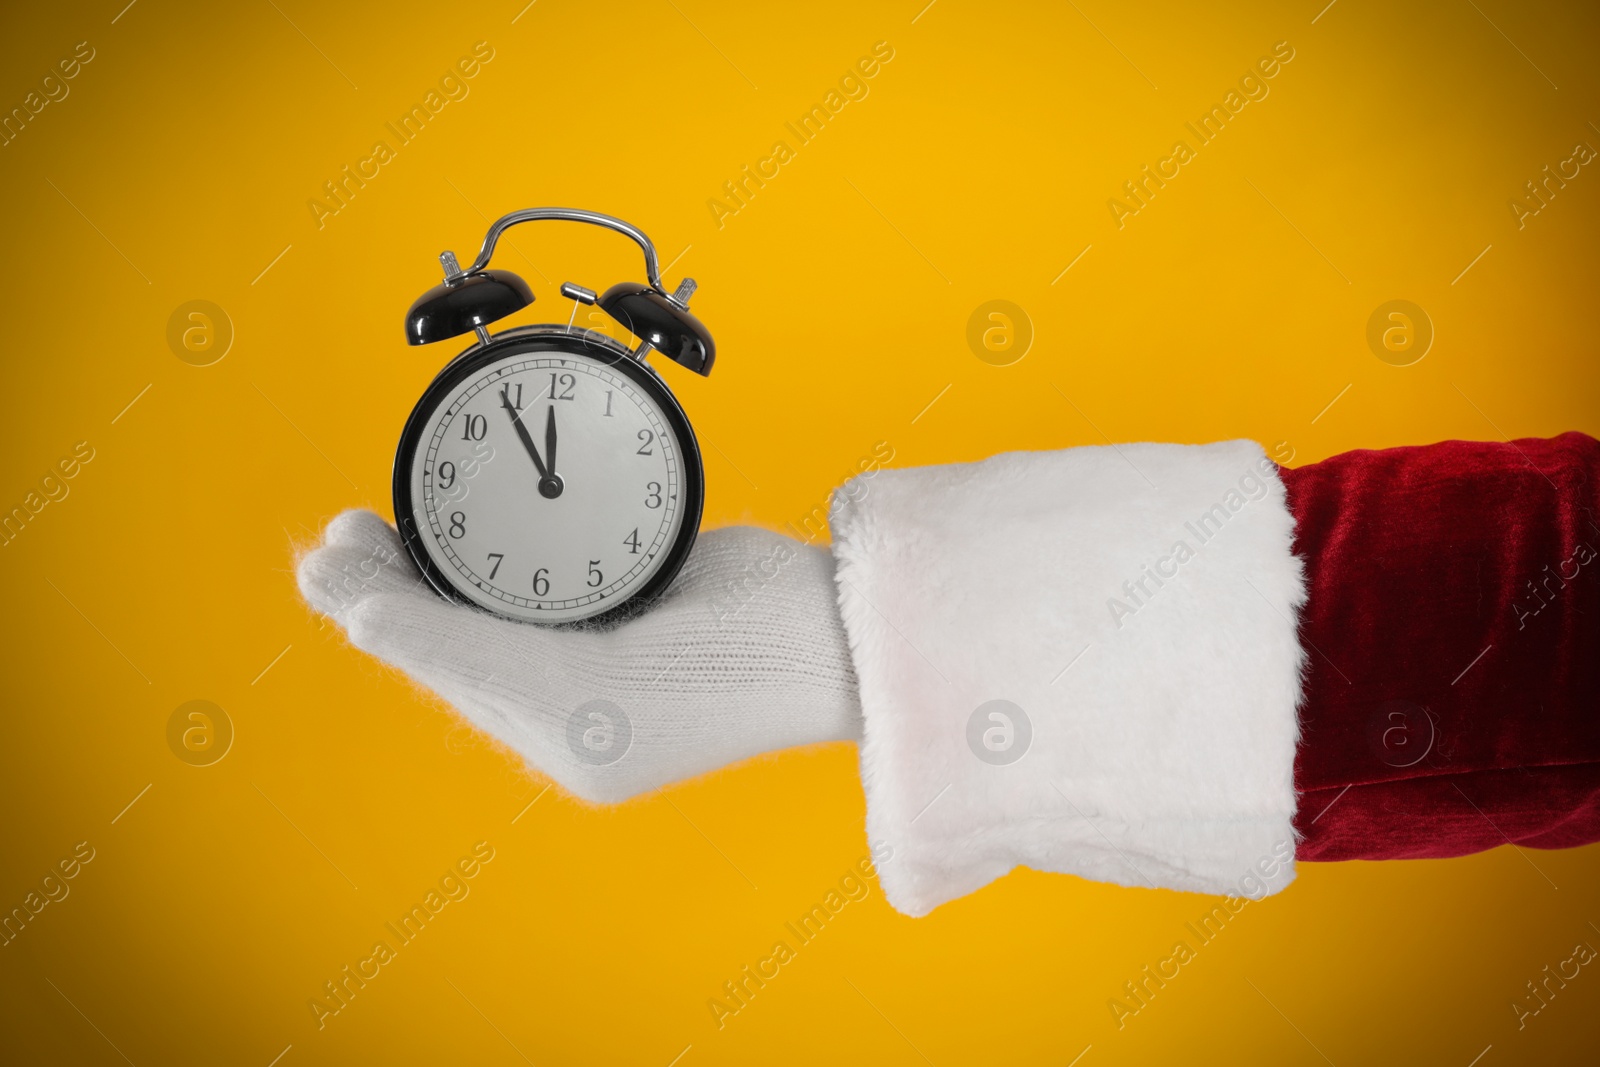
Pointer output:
x,y
548,485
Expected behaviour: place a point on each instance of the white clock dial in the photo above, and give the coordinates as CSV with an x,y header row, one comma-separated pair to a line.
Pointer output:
x,y
548,486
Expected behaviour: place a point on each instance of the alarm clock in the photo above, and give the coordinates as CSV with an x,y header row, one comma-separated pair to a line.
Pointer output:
x,y
548,474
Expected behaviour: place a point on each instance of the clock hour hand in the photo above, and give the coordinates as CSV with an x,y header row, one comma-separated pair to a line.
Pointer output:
x,y
550,438
550,484
523,435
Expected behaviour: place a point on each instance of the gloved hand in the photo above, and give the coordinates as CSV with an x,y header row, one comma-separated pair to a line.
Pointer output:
x,y
744,654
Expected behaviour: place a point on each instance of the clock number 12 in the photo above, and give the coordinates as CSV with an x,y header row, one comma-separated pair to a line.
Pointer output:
x,y
566,384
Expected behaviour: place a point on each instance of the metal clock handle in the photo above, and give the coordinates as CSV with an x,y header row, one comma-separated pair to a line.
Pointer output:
x,y
453,271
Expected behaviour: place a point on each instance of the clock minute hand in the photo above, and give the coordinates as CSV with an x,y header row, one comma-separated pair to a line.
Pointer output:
x,y
522,433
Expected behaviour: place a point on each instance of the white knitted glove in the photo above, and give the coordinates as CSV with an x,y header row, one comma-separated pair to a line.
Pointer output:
x,y
745,654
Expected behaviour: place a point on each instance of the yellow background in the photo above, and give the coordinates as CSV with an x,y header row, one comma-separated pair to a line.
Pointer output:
x,y
978,167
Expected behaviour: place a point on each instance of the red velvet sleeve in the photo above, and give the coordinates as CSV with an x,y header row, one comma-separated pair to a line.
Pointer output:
x,y
1452,699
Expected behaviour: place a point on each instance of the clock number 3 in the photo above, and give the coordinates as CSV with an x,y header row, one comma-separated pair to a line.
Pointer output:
x,y
652,497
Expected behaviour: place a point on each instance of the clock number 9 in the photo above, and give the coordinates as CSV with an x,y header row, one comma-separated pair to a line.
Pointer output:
x,y
541,581
447,474
653,495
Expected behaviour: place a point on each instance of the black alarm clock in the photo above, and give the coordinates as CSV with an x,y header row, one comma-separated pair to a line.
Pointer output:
x,y
548,474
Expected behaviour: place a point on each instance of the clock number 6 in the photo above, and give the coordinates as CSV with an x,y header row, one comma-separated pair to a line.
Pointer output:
x,y
653,495
541,581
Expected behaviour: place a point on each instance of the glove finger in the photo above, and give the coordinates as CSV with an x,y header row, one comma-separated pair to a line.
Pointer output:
x,y
432,640
357,560
359,528
521,684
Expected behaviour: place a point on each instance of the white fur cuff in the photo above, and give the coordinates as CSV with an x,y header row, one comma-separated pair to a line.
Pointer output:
x,y
1081,661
